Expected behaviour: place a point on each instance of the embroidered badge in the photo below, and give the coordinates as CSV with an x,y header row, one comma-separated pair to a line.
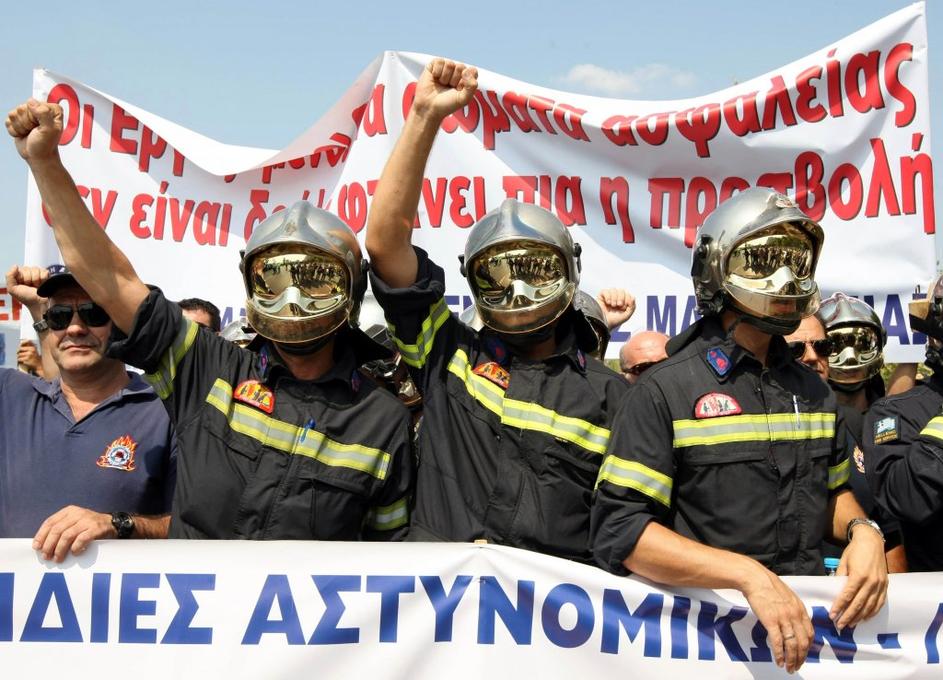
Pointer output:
x,y
256,394
495,373
858,456
719,361
885,430
715,404
119,455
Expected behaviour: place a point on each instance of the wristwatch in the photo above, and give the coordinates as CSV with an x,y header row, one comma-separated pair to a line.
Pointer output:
x,y
858,520
40,326
123,524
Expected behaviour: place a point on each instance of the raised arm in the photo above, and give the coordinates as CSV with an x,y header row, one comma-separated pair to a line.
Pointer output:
x,y
443,88
97,264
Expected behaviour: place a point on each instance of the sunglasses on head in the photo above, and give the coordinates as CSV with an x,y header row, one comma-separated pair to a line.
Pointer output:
x,y
821,347
58,317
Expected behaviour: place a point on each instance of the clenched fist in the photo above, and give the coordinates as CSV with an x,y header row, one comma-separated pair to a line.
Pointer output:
x,y
35,127
444,87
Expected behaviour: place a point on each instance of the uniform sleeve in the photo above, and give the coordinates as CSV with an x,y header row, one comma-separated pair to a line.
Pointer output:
x,y
180,358
422,327
170,481
636,477
839,461
388,518
904,463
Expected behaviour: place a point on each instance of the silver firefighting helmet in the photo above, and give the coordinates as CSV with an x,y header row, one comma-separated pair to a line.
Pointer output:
x,y
304,275
856,338
926,316
757,253
471,317
589,306
522,267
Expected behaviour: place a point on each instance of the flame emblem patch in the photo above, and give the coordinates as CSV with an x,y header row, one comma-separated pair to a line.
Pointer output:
x,y
119,455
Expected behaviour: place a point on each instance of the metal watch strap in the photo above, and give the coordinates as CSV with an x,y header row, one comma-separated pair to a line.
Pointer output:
x,y
123,524
858,520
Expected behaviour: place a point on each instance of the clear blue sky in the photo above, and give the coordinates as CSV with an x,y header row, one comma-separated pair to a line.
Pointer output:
x,y
259,73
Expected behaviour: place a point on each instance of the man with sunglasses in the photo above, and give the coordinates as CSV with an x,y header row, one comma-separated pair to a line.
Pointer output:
x,y
516,415
91,454
642,351
819,350
728,461
289,441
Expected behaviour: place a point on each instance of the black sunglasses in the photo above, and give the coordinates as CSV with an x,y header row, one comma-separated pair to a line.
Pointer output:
x,y
821,347
640,368
58,317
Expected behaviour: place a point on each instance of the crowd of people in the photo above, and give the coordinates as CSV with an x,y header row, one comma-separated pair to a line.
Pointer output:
x,y
751,446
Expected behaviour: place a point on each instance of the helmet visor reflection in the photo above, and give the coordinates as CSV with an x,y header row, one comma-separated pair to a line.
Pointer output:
x,y
863,342
518,275
321,279
761,256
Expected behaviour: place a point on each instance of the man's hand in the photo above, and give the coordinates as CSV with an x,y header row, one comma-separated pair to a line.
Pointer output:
x,y
72,528
36,127
864,563
444,87
28,357
784,616
22,283
617,304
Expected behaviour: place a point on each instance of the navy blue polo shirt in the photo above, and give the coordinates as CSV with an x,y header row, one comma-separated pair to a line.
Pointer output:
x,y
121,456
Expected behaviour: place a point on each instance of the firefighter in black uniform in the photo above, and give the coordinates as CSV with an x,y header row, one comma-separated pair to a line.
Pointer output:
x,y
290,442
727,462
516,416
903,446
855,339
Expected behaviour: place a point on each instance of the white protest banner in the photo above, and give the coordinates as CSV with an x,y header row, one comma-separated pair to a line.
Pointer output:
x,y
238,609
844,131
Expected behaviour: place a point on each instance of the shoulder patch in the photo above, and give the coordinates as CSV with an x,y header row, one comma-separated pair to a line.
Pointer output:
x,y
719,361
715,404
858,456
495,373
496,348
885,430
256,394
119,455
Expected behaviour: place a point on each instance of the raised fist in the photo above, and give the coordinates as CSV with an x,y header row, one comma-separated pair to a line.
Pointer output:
x,y
35,127
22,283
444,87
617,304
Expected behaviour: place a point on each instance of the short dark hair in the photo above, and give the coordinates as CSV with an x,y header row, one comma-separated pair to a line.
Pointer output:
x,y
204,306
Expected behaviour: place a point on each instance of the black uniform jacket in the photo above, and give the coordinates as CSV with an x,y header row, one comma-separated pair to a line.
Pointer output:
x,y
509,449
903,460
726,452
263,455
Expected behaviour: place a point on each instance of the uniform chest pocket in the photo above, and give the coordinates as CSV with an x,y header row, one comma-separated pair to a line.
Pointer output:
x,y
219,427
476,396
319,504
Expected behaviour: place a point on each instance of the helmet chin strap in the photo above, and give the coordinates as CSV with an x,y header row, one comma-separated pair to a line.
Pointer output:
x,y
305,348
848,388
524,340
770,326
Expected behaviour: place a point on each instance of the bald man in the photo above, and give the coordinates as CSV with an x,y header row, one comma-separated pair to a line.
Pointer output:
x,y
643,350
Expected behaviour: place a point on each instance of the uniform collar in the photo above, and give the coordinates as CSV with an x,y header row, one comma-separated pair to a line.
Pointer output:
x,y
53,389
568,348
269,365
722,354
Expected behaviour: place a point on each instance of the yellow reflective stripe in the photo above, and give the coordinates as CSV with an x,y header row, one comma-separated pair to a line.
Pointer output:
x,y
162,380
387,517
416,355
483,390
295,440
772,427
838,474
934,428
633,475
526,415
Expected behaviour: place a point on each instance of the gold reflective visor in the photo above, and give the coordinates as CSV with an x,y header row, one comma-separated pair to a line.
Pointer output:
x,y
864,341
518,274
317,275
761,256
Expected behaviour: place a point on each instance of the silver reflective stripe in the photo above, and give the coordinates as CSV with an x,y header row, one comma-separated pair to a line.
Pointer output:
x,y
762,427
634,475
839,474
934,428
416,355
388,517
162,380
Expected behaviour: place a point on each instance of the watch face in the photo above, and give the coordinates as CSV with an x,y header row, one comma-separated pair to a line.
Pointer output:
x,y
123,524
